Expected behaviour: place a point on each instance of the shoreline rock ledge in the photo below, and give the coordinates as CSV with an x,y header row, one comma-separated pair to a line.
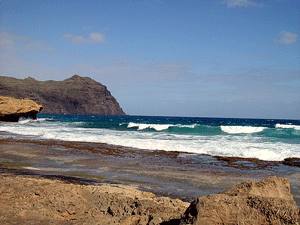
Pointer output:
x,y
36,200
252,202
12,109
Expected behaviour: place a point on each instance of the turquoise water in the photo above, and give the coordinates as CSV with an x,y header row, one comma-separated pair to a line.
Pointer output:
x,y
265,139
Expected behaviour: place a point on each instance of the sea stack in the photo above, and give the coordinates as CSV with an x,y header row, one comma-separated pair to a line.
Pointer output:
x,y
12,109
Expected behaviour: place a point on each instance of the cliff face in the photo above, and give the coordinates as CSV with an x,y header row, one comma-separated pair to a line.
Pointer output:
x,y
12,109
75,95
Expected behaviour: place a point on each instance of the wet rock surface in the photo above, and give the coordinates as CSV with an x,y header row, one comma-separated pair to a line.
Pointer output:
x,y
292,162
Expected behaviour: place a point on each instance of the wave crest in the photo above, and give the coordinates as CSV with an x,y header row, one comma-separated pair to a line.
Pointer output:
x,y
158,127
241,129
287,126
143,126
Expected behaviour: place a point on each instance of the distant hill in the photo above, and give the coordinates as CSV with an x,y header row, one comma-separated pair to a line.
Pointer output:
x,y
75,95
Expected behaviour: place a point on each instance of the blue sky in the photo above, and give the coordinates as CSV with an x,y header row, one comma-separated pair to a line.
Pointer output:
x,y
205,58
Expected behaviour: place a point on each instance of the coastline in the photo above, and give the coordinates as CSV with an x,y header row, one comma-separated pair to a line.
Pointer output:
x,y
170,174
62,182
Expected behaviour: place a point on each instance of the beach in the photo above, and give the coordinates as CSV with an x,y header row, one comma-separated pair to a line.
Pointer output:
x,y
176,175
150,162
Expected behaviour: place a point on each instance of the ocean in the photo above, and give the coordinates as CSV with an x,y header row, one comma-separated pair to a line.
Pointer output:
x,y
265,139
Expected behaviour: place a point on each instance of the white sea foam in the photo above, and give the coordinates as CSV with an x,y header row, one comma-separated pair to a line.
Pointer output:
x,y
241,129
143,126
287,126
224,145
157,127
188,126
22,121
25,120
42,119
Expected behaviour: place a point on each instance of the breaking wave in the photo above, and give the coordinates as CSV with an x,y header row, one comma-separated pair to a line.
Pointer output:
x,y
263,139
241,129
287,126
142,126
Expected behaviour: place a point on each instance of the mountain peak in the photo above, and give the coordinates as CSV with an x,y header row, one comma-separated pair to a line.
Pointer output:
x,y
75,77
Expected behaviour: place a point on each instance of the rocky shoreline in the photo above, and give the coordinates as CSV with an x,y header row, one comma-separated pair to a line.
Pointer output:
x,y
61,182
35,200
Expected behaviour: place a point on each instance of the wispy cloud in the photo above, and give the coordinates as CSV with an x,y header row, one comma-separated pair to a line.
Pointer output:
x,y
170,71
241,3
287,37
11,42
93,38
88,27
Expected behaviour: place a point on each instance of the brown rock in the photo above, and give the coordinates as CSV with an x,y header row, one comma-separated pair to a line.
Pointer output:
x,y
273,187
12,109
27,200
253,202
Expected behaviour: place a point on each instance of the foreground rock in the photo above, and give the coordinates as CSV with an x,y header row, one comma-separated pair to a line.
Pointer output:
x,y
12,109
27,200
75,95
34,200
253,202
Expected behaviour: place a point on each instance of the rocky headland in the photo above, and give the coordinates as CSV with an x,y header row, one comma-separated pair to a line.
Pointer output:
x,y
75,95
12,109
36,200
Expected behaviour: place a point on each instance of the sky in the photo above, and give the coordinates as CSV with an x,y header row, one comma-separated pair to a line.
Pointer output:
x,y
198,58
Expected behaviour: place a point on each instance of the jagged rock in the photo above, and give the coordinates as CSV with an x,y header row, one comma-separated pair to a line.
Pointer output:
x,y
12,109
252,202
28,200
75,95
31,200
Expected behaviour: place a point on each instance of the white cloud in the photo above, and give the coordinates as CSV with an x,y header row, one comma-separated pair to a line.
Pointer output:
x,y
93,38
287,37
241,3
97,37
